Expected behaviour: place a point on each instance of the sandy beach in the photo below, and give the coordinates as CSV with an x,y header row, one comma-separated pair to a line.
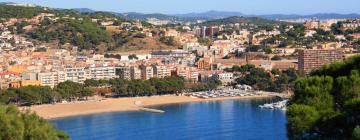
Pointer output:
x,y
118,104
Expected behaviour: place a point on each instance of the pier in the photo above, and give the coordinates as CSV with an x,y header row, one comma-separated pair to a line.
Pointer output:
x,y
151,110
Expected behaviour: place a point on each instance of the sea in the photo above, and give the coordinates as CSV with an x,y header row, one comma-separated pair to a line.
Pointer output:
x,y
212,120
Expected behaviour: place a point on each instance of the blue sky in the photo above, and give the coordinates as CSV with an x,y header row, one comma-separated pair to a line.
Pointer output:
x,y
187,6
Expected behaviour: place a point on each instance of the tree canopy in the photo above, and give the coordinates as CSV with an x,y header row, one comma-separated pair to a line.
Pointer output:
x,y
15,125
9,11
326,105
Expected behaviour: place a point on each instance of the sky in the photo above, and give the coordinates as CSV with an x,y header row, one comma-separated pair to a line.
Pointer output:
x,y
187,6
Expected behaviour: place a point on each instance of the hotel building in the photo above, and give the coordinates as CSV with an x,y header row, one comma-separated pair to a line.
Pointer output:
x,y
309,60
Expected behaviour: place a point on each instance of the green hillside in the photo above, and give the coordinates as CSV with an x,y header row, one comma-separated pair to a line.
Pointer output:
x,y
8,11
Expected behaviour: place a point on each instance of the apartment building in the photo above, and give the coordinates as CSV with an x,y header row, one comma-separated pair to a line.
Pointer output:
x,y
309,60
123,72
205,63
188,73
75,74
99,72
225,78
161,71
147,72
135,72
51,78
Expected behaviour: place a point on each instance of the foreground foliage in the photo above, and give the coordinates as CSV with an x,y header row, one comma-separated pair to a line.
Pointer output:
x,y
326,104
15,125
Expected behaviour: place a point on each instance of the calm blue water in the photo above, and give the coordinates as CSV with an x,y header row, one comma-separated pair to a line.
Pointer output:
x,y
226,120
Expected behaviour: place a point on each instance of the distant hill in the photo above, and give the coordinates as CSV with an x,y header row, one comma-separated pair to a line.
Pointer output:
x,y
316,16
7,3
141,16
236,19
84,10
210,15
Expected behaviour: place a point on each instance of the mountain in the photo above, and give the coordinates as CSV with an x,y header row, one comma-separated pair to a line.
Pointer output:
x,y
210,15
7,3
220,14
236,19
84,10
141,16
315,16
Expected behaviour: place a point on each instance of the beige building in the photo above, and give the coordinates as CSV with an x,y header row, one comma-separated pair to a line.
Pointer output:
x,y
147,72
123,72
75,74
135,72
51,78
309,60
100,72
189,73
161,71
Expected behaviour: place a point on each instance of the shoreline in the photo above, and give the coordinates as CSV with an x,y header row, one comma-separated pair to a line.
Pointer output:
x,y
55,111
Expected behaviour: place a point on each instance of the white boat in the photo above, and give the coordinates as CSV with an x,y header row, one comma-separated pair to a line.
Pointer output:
x,y
278,105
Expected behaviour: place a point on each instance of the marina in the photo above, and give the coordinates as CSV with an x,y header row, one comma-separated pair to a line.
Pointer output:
x,y
230,92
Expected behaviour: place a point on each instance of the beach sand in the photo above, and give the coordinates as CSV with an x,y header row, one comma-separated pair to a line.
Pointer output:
x,y
118,104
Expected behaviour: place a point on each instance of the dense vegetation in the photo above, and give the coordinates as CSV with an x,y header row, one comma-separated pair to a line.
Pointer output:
x,y
153,86
70,91
15,125
30,95
326,104
210,85
82,33
8,11
258,78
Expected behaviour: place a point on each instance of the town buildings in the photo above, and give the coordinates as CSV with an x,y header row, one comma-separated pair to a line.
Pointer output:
x,y
312,59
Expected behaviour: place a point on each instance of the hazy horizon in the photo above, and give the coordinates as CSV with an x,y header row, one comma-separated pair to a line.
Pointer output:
x,y
255,7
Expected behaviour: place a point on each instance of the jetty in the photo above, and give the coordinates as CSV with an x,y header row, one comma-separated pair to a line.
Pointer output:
x,y
152,110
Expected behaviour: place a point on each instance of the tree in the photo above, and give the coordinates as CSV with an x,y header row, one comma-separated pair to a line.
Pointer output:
x,y
69,90
86,92
168,40
132,57
301,118
15,125
327,103
356,133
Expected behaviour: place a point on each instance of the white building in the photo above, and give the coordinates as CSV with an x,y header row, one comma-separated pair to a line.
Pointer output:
x,y
75,74
52,78
225,78
161,71
147,72
101,72
135,72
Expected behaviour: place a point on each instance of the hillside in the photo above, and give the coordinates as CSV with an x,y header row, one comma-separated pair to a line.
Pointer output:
x,y
84,34
248,20
8,11
144,44
76,28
